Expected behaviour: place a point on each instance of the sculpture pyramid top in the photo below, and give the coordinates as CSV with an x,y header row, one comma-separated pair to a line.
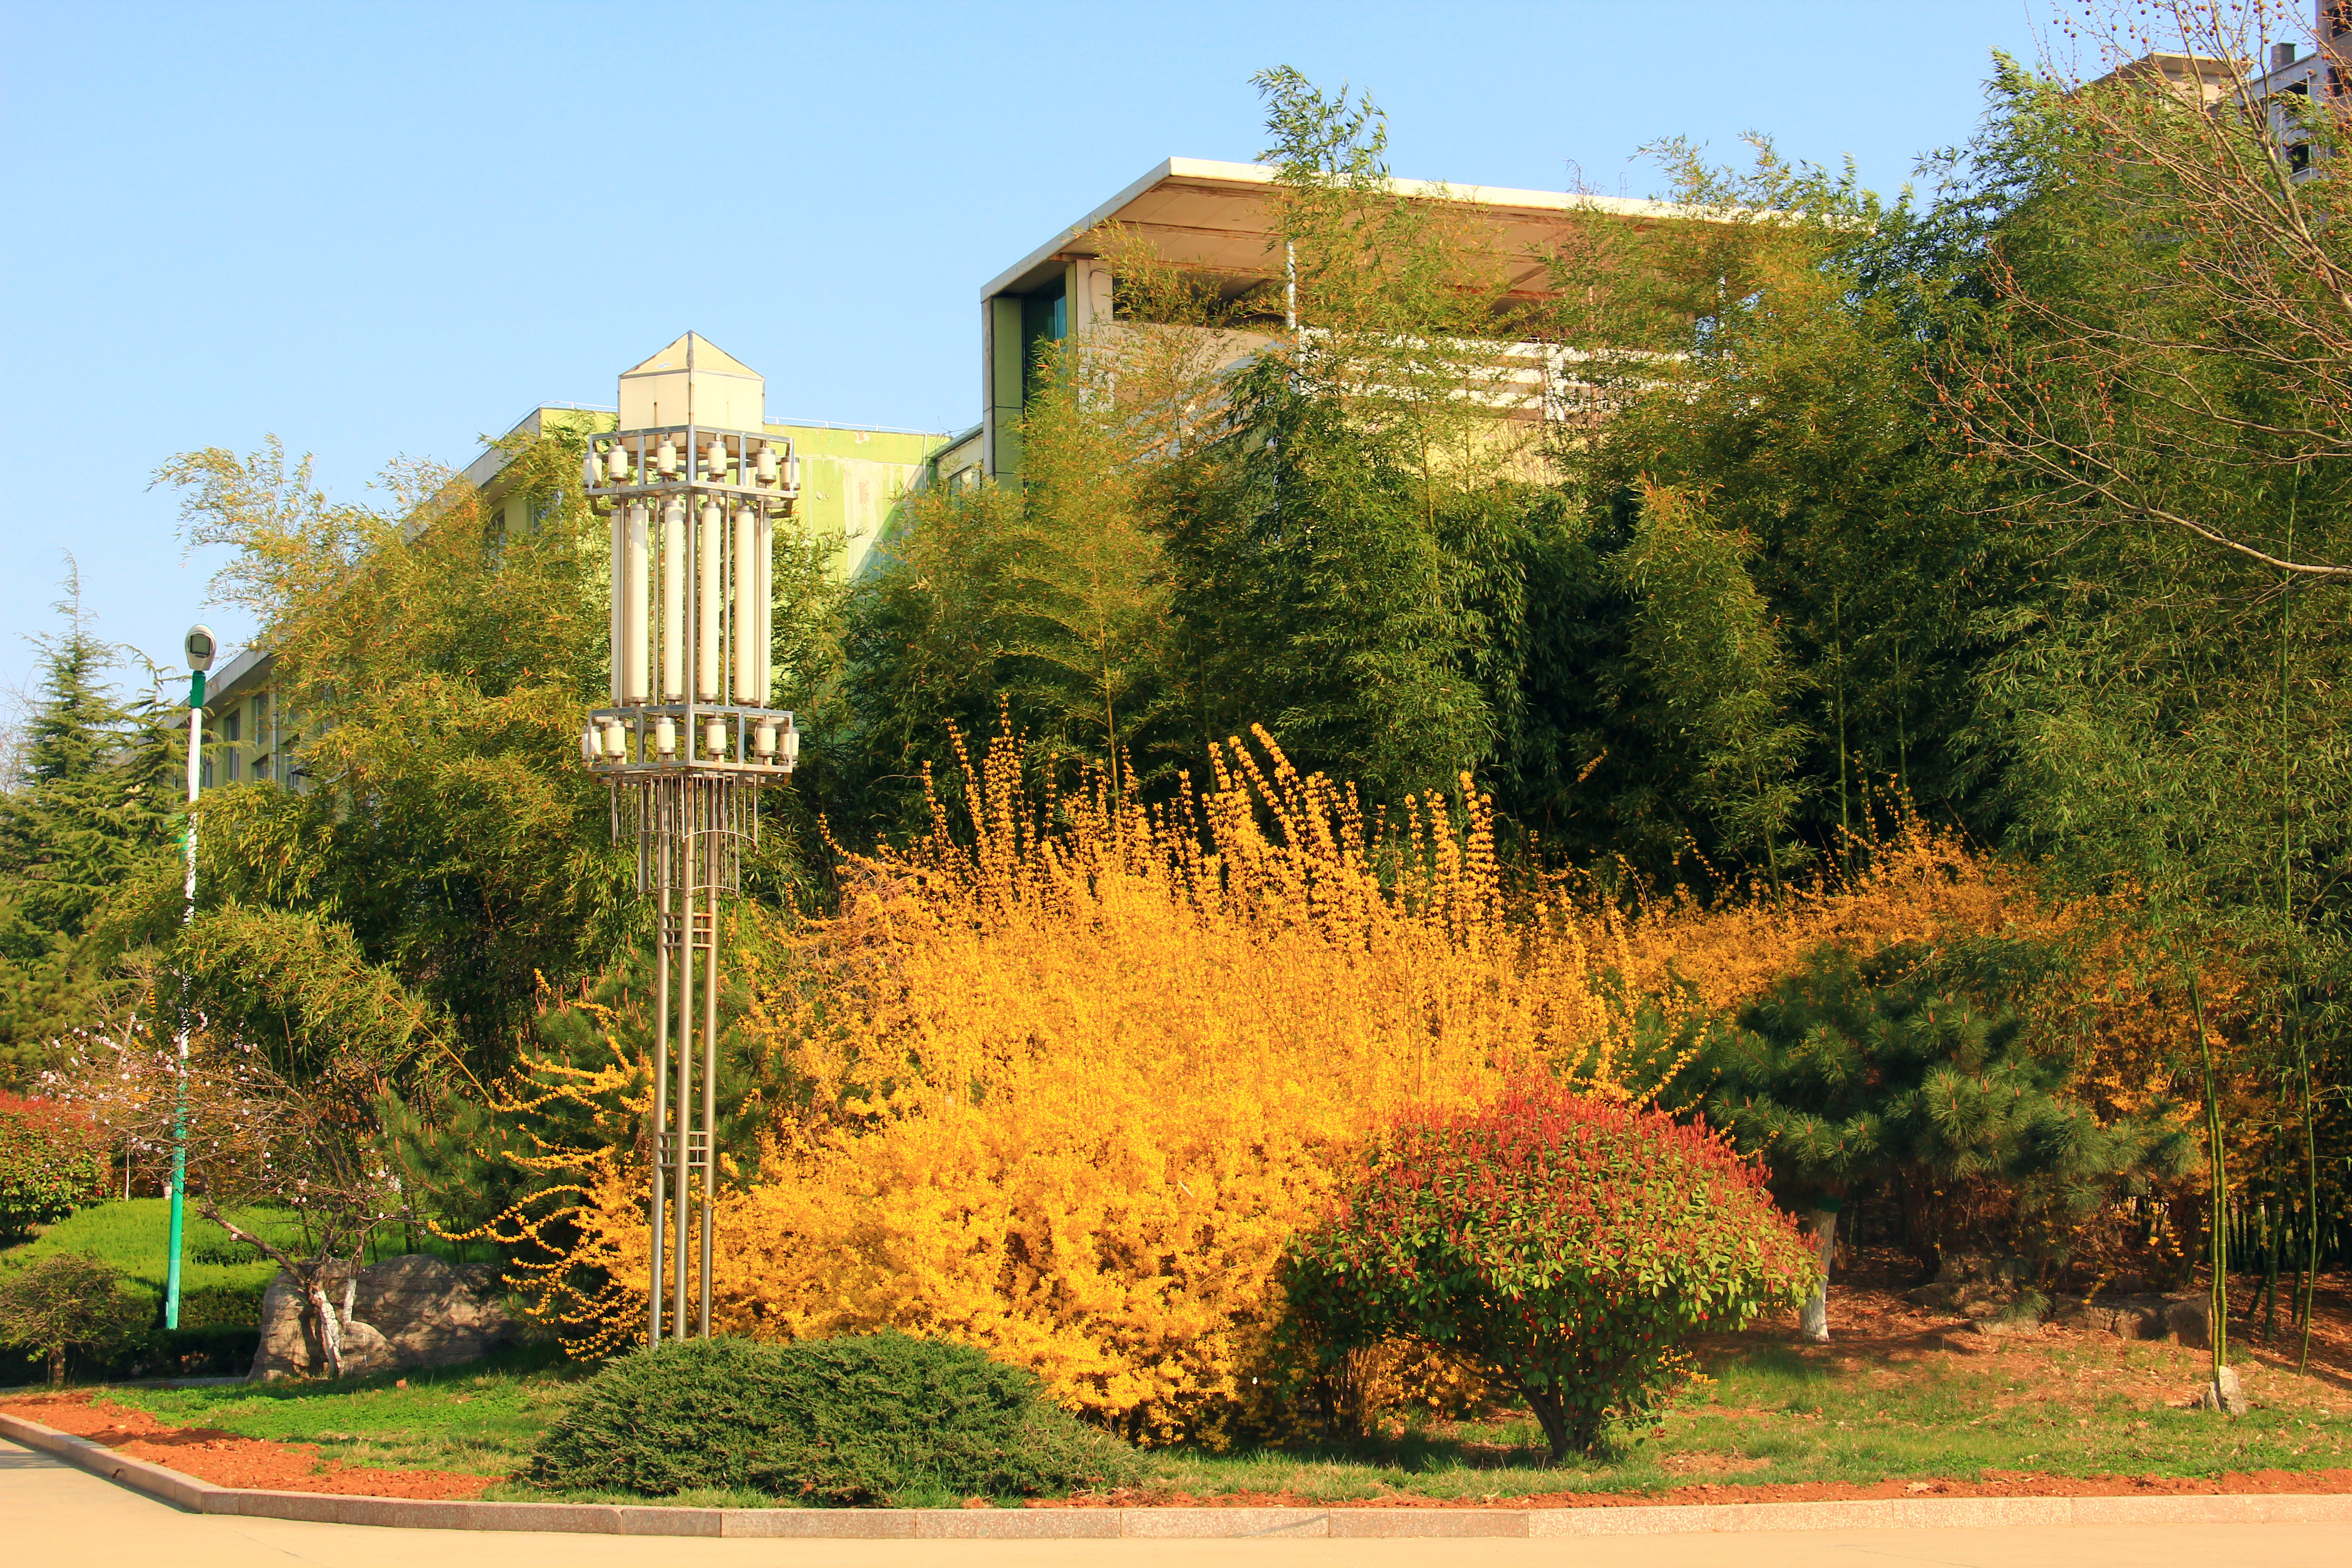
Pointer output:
x,y
693,382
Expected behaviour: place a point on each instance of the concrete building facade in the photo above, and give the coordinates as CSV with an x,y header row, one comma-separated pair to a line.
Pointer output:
x,y
1218,219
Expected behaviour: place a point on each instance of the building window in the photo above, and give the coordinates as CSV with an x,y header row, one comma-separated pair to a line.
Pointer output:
x,y
205,773
2340,17
262,772
232,763
2298,157
1044,317
233,726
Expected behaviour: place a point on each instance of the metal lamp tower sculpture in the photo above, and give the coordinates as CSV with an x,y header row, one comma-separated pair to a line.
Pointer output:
x,y
690,737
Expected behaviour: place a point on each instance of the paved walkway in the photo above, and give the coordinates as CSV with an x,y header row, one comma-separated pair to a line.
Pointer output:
x,y
51,1513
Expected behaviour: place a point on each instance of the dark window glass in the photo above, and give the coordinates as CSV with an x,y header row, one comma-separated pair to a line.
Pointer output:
x,y
1044,317
233,728
2298,157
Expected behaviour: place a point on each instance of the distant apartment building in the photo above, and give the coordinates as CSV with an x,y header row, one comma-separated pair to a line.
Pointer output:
x,y
2288,75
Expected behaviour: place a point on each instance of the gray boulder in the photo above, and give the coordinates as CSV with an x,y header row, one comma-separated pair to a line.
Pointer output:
x,y
2125,1317
2224,1395
2178,1317
1973,1286
2185,1319
409,1311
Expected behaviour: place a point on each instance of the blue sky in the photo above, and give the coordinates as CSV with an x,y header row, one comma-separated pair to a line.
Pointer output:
x,y
385,229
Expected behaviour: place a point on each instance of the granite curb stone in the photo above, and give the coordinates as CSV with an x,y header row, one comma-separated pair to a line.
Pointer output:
x,y
193,1496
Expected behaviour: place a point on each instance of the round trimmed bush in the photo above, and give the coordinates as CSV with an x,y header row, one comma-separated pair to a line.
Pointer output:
x,y
1568,1243
878,1418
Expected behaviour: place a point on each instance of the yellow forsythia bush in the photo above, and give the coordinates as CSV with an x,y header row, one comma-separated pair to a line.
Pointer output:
x,y
1072,1072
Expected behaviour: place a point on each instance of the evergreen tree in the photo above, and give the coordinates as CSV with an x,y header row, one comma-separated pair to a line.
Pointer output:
x,y
92,806
1916,1069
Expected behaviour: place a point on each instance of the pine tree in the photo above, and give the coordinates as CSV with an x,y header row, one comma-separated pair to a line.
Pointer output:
x,y
1914,1069
92,801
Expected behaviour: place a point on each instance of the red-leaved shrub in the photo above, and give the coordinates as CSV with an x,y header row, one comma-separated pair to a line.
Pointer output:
x,y
52,1160
1568,1243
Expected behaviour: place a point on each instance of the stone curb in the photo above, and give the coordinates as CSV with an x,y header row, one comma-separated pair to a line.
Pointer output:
x,y
1174,1524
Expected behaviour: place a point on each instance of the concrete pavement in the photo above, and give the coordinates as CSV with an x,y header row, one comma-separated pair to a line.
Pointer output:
x,y
51,1513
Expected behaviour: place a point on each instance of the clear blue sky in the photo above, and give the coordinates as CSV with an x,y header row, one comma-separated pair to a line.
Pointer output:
x,y
379,229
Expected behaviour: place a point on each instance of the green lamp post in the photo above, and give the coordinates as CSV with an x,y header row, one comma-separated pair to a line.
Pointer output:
x,y
201,647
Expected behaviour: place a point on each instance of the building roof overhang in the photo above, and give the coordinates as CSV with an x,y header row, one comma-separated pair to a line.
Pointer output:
x,y
1218,218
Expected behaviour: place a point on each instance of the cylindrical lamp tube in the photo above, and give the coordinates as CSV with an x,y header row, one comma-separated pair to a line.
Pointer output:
x,y
618,561
635,647
709,544
744,634
766,528
673,587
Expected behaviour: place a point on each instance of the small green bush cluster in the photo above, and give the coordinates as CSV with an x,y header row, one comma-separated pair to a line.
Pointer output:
x,y
874,1419
67,1301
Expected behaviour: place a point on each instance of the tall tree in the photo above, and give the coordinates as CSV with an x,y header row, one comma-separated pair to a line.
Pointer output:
x,y
434,675
90,811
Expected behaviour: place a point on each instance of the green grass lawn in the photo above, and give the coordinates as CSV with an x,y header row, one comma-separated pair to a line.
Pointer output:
x,y
2083,1406
1778,1415
481,1418
221,1280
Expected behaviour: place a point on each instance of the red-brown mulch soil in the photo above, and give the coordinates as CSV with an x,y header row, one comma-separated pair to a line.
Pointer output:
x,y
225,1459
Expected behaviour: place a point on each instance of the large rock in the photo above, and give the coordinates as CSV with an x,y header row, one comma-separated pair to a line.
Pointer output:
x,y
2127,1317
407,1311
2178,1317
1974,1286
2184,1317
2225,1395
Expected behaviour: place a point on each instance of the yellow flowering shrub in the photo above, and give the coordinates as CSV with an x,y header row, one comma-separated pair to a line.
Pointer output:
x,y
1068,1074
1072,1072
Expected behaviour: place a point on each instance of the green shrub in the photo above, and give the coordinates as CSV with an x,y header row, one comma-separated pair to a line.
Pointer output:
x,y
880,1418
1912,1070
67,1301
1568,1245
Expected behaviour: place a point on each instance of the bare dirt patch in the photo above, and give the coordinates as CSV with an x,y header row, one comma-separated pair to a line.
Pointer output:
x,y
225,1459
1873,1326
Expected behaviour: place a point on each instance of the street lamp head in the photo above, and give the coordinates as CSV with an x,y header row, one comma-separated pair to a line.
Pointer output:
x,y
201,647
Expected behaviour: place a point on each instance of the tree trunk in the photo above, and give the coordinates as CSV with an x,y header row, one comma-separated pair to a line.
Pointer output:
x,y
330,1326
57,1366
1551,1411
1919,1223
1813,1321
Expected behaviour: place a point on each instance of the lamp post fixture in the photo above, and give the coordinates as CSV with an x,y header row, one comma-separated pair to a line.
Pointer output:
x,y
688,741
200,648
